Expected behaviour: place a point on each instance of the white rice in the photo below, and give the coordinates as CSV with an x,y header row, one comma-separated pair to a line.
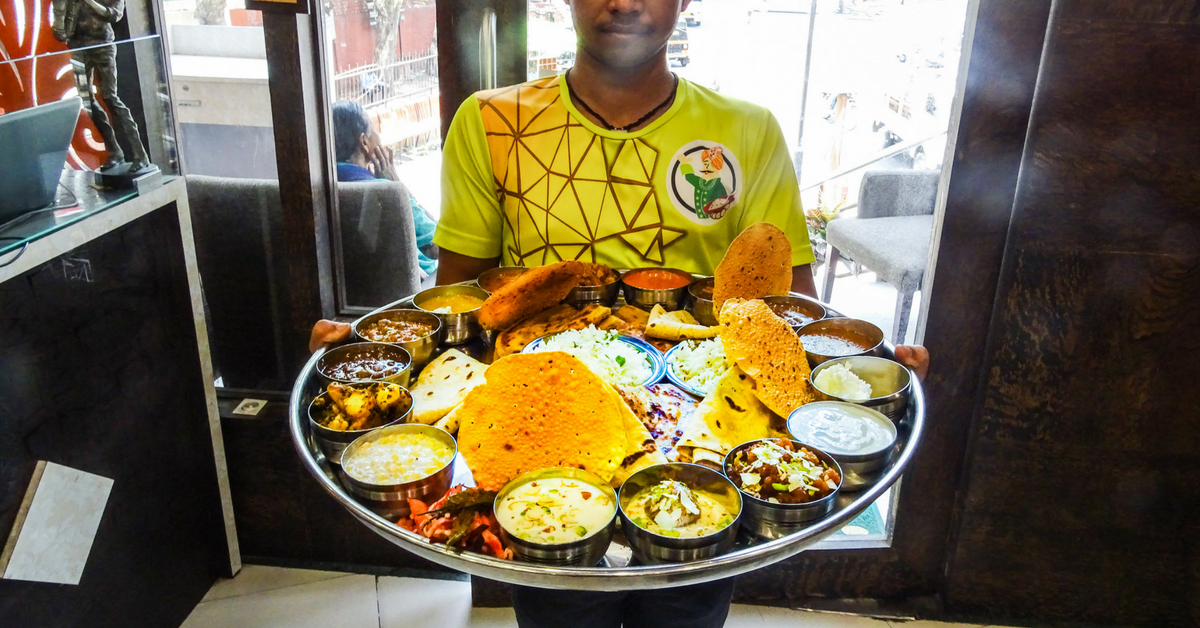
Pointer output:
x,y
612,360
838,380
700,365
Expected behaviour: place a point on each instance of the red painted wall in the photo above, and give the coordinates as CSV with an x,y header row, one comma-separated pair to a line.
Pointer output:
x,y
32,82
354,37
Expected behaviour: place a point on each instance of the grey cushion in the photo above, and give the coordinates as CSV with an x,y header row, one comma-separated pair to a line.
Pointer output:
x,y
897,193
379,242
896,248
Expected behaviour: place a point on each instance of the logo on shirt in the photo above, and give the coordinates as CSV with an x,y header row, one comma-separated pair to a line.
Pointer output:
x,y
704,181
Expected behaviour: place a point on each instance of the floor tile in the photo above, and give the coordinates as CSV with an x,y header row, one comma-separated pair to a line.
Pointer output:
x,y
257,578
408,602
931,624
347,602
493,618
747,616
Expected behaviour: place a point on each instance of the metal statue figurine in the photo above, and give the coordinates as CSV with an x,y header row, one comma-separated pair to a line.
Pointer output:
x,y
86,27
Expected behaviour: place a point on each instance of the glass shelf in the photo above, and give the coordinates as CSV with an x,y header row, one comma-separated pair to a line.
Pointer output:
x,y
76,200
62,51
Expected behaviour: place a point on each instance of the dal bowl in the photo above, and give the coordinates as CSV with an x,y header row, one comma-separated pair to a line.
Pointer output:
x,y
865,338
457,327
652,548
582,552
773,520
421,349
700,294
796,311
890,384
493,279
390,498
365,362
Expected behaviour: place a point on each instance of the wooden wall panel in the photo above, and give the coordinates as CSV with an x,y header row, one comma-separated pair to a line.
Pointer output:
x,y
1083,480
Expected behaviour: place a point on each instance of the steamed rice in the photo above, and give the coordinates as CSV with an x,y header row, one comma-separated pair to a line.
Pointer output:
x,y
838,380
605,354
700,365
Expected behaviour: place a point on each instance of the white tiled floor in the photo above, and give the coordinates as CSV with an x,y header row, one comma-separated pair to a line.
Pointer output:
x,y
273,597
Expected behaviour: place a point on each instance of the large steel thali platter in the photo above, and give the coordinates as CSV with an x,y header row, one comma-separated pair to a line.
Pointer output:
x,y
615,573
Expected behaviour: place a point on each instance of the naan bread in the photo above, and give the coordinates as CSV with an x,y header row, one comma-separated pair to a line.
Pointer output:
x,y
757,264
443,384
763,345
558,318
676,326
728,417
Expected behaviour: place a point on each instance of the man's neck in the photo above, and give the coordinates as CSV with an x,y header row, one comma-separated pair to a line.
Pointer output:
x,y
359,159
621,95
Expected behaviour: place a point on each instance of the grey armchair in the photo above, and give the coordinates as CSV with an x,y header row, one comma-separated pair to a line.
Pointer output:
x,y
890,235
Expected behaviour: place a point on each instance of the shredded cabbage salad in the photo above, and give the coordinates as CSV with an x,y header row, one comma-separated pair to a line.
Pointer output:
x,y
605,354
700,365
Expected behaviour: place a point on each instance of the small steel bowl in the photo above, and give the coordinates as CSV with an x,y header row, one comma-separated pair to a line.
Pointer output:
x,y
585,552
809,308
363,349
334,442
702,307
852,330
605,294
775,521
420,349
493,278
651,548
391,500
891,383
860,469
670,298
458,327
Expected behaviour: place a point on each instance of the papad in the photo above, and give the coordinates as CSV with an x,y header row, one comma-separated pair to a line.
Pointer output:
x,y
443,384
558,318
765,347
677,326
540,410
729,416
757,264
534,290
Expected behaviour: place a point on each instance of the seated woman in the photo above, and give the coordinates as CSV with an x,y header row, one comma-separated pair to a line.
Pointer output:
x,y
361,156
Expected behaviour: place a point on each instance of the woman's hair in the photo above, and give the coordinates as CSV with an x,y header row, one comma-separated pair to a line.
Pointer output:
x,y
349,123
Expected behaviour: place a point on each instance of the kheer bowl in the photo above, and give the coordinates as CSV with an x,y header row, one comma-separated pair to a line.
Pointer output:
x,y
645,298
457,327
420,349
362,350
702,306
890,384
775,521
585,552
652,548
862,468
851,330
391,500
334,442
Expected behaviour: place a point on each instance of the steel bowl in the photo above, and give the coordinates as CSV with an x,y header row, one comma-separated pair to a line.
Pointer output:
x,y
702,307
891,383
605,294
864,466
391,500
810,308
670,298
851,330
364,349
334,442
458,327
658,366
491,280
420,349
651,548
586,552
775,521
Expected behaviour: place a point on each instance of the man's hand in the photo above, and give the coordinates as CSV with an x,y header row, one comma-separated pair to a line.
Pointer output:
x,y
914,357
327,332
381,163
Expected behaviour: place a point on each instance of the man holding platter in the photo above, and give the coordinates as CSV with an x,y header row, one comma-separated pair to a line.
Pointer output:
x,y
622,163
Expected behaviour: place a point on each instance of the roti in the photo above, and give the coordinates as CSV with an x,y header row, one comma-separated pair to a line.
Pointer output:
x,y
539,410
535,290
728,417
558,318
640,449
662,409
676,326
443,384
763,345
758,264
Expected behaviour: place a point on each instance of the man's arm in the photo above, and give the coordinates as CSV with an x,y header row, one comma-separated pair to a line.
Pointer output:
x,y
455,267
802,281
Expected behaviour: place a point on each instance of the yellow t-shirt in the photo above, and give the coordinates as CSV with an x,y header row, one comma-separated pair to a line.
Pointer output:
x,y
527,178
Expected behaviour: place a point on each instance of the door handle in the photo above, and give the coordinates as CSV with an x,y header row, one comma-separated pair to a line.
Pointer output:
x,y
487,50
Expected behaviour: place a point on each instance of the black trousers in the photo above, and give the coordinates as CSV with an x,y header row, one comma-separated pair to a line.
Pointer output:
x,y
695,606
98,66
